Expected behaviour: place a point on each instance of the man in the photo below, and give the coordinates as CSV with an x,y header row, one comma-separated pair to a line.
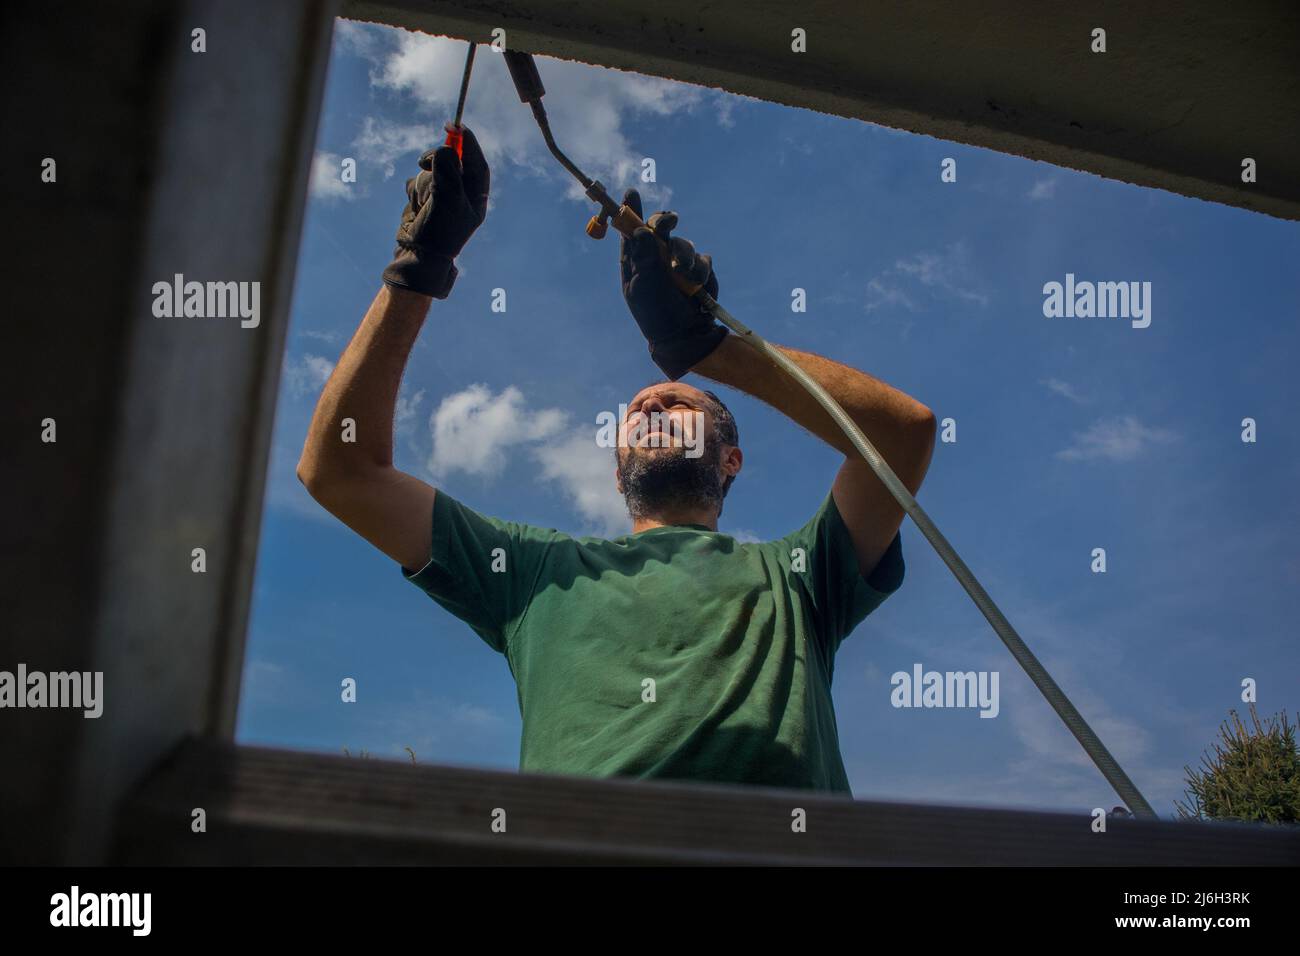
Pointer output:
x,y
674,651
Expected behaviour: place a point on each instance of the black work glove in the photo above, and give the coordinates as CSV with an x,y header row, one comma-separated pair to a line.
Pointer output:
x,y
680,331
446,203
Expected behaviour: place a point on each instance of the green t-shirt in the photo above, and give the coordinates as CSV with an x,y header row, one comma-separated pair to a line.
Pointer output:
x,y
677,652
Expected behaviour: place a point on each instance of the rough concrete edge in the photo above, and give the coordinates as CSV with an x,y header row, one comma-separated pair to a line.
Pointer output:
x,y
456,24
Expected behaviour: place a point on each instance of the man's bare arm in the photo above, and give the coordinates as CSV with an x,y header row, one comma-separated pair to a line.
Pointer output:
x,y
356,481
901,428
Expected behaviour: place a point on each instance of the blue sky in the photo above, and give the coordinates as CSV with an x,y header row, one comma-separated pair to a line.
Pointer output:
x,y
1072,434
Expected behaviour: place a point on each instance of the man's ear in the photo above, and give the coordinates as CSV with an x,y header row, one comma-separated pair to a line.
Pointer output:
x,y
732,461
618,480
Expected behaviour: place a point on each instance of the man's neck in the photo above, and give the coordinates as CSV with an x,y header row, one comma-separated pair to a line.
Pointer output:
x,y
701,516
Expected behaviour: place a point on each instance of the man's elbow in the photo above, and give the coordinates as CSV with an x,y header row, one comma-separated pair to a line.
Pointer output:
x,y
315,476
923,428
326,488
334,484
310,476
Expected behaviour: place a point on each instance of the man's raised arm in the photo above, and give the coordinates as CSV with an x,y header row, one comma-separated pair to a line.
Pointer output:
x,y
901,428
355,479
683,337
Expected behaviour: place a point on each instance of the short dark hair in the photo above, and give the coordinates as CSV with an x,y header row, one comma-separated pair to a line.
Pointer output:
x,y
724,420
725,423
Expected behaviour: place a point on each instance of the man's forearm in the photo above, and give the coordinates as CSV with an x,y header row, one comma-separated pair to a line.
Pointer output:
x,y
900,427
364,387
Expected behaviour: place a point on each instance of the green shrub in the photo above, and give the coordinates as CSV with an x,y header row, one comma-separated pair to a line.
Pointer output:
x,y
1253,775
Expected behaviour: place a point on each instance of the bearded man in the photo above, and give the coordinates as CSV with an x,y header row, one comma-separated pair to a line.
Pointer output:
x,y
674,651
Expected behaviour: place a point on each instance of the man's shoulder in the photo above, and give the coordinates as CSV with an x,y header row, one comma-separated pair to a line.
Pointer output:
x,y
451,508
823,515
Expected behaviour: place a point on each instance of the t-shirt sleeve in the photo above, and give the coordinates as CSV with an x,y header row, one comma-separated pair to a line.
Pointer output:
x,y
481,569
838,595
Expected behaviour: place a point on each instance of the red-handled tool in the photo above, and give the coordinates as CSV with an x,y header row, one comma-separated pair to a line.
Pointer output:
x,y
455,134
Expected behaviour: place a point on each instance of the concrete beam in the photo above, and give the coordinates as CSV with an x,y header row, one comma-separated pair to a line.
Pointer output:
x,y
1185,91
169,161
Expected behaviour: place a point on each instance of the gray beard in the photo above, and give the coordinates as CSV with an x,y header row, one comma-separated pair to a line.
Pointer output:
x,y
660,480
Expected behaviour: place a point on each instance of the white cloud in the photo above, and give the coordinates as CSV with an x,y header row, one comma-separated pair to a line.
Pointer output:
x,y
381,143
1064,389
307,375
585,471
473,432
1120,439
428,68
1042,189
792,146
587,108
326,181
948,271
472,715
880,294
360,39
331,338
404,413
726,107
943,275
924,266
473,429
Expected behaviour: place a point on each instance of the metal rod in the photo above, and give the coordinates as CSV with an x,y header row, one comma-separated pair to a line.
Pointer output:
x,y
1091,743
464,83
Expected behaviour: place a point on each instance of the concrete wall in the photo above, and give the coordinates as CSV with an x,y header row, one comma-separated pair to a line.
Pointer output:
x,y
1183,93
169,161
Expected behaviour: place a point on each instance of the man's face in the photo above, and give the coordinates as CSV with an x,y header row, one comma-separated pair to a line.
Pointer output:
x,y
669,455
